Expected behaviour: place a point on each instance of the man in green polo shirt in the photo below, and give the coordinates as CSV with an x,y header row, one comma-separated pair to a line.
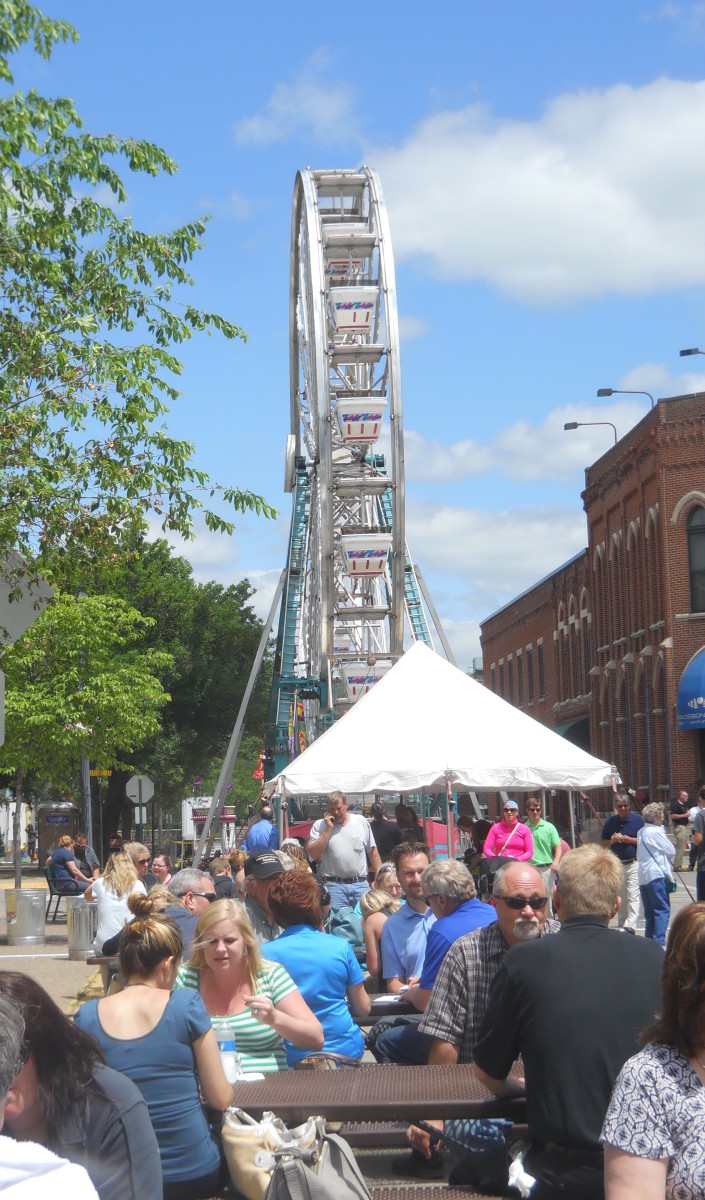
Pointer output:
x,y
547,843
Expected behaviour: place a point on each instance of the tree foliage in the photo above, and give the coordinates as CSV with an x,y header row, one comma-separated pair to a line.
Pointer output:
x,y
91,312
211,634
80,681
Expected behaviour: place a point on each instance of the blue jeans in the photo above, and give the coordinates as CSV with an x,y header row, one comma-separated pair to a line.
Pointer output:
x,y
657,909
344,895
401,1041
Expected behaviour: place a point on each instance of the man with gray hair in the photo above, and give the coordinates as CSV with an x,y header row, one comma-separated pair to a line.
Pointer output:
x,y
548,1002
193,891
27,1169
449,891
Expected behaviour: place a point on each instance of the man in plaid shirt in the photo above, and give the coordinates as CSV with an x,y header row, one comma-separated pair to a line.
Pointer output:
x,y
459,998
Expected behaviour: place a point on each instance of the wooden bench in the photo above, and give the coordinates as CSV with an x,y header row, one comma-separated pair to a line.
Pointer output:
x,y
109,969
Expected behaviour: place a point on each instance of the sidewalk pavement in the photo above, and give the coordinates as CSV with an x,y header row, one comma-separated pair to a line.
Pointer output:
x,y
68,981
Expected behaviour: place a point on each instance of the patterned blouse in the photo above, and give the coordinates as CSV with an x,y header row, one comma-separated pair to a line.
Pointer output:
x,y
657,1110
260,1047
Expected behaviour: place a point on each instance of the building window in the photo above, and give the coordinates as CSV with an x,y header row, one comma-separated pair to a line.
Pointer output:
x,y
493,676
542,688
530,672
520,679
501,679
696,558
510,676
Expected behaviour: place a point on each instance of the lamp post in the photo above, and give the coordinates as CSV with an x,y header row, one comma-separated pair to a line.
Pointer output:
x,y
577,424
692,350
624,392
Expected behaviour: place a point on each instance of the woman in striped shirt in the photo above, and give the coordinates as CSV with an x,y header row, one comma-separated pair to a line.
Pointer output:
x,y
258,999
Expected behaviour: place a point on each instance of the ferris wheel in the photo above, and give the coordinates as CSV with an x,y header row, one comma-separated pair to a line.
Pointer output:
x,y
350,580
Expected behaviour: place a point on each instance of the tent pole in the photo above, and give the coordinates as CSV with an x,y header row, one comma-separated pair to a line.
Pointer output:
x,y
572,819
449,815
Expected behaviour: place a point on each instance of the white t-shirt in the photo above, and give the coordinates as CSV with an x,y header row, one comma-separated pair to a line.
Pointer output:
x,y
347,849
30,1172
112,910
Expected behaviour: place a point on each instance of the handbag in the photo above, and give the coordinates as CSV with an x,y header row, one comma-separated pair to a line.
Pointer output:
x,y
244,1139
329,1172
671,883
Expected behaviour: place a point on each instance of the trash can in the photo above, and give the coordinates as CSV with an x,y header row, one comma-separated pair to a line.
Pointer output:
x,y
82,923
25,908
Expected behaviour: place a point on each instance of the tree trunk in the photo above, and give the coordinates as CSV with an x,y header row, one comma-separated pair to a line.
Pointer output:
x,y
17,827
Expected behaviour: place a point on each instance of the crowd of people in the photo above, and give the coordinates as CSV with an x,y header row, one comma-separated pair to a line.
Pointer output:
x,y
529,973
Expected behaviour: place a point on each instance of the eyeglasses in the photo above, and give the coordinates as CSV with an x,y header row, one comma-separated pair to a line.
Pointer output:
x,y
209,896
23,1057
518,902
623,806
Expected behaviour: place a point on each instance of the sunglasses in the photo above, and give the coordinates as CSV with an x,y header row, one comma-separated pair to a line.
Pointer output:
x,y
142,862
209,896
518,902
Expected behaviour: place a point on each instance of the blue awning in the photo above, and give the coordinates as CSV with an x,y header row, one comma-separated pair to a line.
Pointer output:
x,y
691,694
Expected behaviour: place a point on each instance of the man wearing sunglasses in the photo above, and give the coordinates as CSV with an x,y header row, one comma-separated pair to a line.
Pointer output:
x,y
548,1003
193,891
619,834
459,996
547,843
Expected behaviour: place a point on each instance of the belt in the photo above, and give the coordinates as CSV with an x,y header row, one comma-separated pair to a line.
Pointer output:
x,y
345,879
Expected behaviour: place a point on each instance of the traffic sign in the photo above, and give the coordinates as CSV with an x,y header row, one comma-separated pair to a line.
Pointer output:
x,y
139,789
99,774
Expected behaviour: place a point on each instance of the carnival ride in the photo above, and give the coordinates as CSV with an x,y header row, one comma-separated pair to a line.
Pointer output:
x,y
350,590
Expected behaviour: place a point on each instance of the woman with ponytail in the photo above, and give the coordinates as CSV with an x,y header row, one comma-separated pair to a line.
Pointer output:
x,y
160,1039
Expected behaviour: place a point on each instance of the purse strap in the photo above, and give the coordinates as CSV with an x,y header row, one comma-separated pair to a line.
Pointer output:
x,y
645,844
504,847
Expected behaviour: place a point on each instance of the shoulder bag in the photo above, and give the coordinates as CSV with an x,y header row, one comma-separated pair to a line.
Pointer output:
x,y
671,883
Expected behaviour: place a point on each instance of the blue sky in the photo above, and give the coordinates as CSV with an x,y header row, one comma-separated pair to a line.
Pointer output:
x,y
544,170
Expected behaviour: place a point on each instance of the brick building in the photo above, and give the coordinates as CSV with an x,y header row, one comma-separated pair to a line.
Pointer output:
x,y
609,650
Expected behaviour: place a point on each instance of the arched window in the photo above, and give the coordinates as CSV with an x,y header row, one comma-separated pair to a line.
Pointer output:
x,y
695,526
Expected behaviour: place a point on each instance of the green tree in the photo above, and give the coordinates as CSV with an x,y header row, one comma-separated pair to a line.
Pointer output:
x,y
211,634
80,681
91,312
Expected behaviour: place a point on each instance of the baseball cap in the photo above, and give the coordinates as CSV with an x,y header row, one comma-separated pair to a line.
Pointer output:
x,y
264,866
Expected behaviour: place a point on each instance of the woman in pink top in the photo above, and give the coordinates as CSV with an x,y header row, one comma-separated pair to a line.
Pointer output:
x,y
508,838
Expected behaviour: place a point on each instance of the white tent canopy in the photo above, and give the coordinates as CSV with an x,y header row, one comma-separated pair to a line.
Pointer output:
x,y
426,723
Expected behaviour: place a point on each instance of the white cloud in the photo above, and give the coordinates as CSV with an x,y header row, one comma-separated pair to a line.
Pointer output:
x,y
602,193
310,106
412,327
432,462
234,206
500,554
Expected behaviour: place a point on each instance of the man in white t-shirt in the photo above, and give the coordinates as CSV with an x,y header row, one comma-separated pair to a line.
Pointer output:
x,y
344,845
27,1170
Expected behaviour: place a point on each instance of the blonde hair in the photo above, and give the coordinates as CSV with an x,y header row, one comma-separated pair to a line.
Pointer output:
x,y
149,939
161,897
297,854
65,842
233,911
377,901
120,875
237,859
134,849
589,881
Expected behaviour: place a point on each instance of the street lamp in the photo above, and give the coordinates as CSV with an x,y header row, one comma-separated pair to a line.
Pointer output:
x,y
577,424
693,350
624,392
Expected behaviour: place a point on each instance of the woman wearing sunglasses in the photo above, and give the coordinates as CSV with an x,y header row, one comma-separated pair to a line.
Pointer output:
x,y
509,838
258,999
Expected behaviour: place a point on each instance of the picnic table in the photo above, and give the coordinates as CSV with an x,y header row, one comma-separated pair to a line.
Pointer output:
x,y
376,1092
